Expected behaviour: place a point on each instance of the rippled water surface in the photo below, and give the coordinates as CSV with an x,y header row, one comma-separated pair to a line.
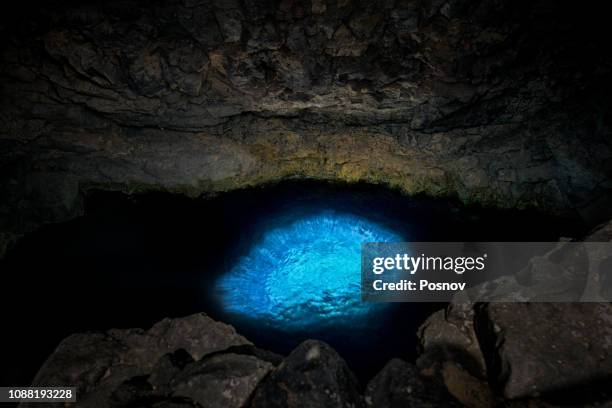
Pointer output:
x,y
305,273
280,264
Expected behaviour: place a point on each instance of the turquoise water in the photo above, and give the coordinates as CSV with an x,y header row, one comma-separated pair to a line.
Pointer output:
x,y
160,255
305,273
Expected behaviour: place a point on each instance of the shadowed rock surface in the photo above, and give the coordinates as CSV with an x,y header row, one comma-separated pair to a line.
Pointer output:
x,y
98,363
537,355
448,335
399,385
450,354
542,348
569,271
501,103
558,351
224,380
313,375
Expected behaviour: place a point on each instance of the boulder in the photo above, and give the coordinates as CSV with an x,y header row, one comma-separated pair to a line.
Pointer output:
x,y
570,271
450,354
97,364
166,368
543,348
223,380
399,385
313,375
471,391
528,350
448,335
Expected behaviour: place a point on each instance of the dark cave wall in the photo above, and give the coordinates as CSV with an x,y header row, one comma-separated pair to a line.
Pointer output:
x,y
502,103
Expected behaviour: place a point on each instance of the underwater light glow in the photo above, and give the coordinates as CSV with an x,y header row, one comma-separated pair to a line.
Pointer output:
x,y
305,274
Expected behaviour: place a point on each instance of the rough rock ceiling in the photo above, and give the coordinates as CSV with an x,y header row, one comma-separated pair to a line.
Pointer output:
x,y
496,102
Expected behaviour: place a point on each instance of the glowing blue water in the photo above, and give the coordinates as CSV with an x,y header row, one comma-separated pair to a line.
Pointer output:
x,y
305,274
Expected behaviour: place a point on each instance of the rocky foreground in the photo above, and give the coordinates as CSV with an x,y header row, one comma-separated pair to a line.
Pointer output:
x,y
529,353
492,354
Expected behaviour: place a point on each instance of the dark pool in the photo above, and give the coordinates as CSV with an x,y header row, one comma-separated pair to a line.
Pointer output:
x,y
133,260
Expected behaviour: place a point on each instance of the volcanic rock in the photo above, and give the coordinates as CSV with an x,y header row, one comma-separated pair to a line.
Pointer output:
x,y
399,385
534,349
448,335
223,380
167,367
98,363
481,101
313,375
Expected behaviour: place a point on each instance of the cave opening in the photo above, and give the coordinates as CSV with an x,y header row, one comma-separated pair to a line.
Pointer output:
x,y
132,260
